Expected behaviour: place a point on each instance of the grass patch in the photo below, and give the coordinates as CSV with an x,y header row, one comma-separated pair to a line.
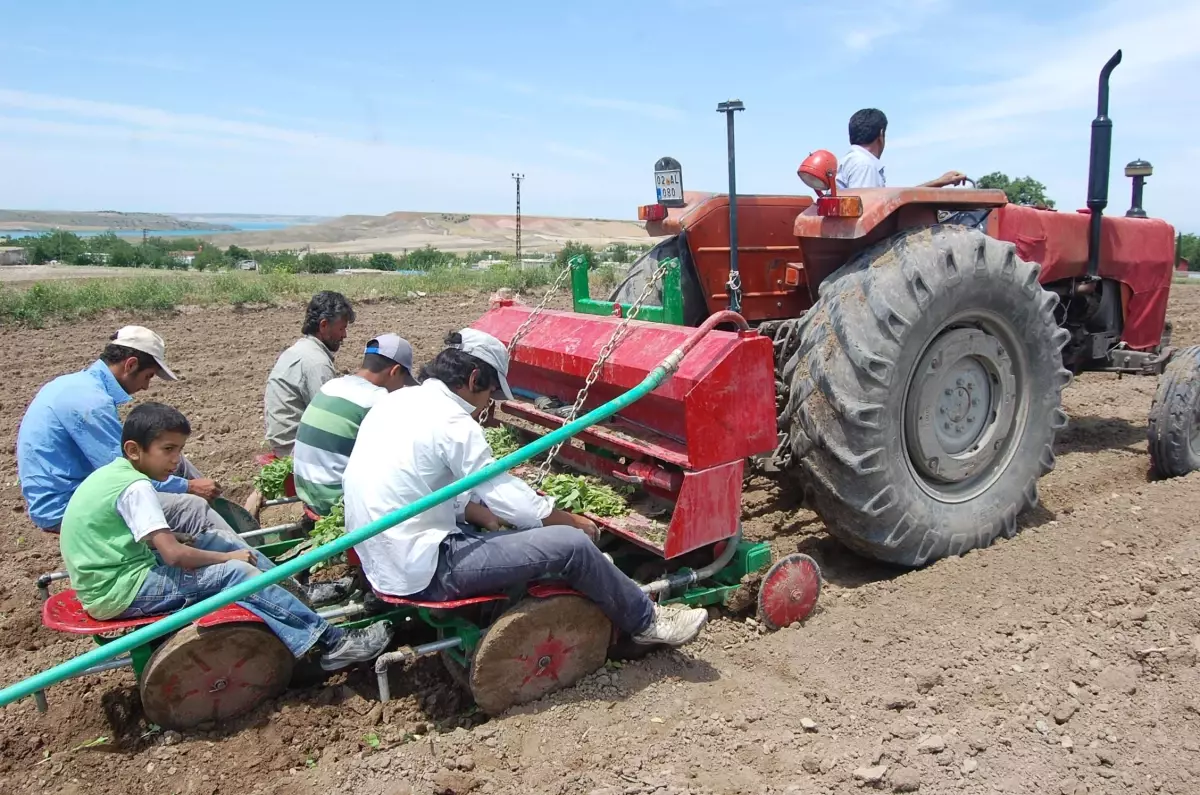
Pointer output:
x,y
71,299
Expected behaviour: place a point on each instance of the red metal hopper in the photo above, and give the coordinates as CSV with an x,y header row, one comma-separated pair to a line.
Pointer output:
x,y
685,444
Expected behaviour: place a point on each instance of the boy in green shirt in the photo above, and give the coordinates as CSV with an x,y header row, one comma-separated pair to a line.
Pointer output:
x,y
125,561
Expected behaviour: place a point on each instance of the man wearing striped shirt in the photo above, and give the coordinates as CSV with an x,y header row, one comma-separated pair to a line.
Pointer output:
x,y
329,425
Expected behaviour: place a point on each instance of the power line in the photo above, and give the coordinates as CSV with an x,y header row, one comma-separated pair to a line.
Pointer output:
x,y
518,178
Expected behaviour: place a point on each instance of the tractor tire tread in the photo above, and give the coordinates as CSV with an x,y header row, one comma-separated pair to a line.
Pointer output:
x,y
1172,416
854,360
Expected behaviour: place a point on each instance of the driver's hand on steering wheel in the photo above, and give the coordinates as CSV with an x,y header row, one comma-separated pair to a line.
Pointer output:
x,y
951,178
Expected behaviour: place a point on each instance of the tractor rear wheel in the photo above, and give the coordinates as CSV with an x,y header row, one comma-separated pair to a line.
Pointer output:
x,y
1174,430
926,393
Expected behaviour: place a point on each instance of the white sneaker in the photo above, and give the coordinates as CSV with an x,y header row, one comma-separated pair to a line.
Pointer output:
x,y
673,626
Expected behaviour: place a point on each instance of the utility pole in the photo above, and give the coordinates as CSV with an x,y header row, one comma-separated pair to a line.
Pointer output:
x,y
518,178
145,234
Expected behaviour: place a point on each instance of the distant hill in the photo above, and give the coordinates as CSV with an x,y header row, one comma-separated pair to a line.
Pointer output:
x,y
397,232
88,221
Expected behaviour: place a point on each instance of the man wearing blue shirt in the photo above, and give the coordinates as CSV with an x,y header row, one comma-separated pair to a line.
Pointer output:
x,y
72,429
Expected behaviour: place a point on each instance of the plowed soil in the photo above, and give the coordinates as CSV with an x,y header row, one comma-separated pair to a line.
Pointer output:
x,y
1061,661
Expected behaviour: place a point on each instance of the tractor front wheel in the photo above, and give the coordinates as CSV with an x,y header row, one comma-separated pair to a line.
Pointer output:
x,y
926,393
1174,430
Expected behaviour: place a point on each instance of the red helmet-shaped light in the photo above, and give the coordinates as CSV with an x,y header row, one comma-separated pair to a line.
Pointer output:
x,y
819,171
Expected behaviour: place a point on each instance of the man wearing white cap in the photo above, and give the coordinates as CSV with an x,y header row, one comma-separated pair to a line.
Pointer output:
x,y
71,429
329,426
416,441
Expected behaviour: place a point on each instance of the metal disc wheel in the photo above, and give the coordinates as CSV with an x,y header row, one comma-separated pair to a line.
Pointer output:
x,y
213,674
536,648
963,400
788,591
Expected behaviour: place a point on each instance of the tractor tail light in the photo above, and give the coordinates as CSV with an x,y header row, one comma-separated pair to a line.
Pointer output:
x,y
652,212
839,206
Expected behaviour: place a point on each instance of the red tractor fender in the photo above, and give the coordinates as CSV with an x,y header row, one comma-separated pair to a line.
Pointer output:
x,y
829,242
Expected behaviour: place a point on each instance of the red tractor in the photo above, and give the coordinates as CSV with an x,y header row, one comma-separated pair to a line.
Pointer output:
x,y
919,359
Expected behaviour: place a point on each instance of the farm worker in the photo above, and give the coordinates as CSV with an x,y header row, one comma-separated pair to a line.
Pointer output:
x,y
861,166
71,429
330,424
416,441
300,372
126,561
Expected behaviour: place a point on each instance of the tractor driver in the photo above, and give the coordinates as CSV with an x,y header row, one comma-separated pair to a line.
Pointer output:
x,y
861,166
418,440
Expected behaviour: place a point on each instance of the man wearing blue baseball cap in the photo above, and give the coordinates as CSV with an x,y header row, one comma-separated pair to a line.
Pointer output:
x,y
329,426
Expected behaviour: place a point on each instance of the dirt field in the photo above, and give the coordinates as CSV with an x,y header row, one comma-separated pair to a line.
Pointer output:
x,y
1063,661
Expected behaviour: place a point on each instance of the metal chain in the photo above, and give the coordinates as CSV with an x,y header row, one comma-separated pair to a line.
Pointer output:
x,y
616,339
524,328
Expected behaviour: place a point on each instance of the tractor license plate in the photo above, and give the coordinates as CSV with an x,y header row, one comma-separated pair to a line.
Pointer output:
x,y
669,185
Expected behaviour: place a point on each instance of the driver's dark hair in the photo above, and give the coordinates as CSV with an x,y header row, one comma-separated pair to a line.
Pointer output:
x,y
453,368
148,421
326,305
866,125
115,354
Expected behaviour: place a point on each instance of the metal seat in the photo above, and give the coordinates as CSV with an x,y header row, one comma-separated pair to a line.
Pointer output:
x,y
452,604
62,612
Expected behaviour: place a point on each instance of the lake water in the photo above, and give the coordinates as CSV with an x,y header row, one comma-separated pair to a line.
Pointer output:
x,y
251,227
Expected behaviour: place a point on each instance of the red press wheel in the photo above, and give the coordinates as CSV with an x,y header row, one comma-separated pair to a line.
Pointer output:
x,y
213,674
789,591
537,647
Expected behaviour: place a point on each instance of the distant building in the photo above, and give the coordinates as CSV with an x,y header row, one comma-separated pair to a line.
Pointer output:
x,y
13,255
183,257
247,265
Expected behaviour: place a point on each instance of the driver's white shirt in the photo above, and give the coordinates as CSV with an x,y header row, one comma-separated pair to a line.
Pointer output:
x,y
860,169
413,442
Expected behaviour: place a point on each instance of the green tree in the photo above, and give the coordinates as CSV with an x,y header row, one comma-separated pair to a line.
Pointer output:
x,y
1025,190
210,258
427,259
319,263
572,249
382,261
1189,248
122,254
56,245
236,254
620,253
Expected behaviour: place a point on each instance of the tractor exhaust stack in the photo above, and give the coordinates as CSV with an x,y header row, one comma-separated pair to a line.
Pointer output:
x,y
1098,166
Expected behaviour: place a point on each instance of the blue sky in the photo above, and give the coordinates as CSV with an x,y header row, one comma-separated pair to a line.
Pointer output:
x,y
371,107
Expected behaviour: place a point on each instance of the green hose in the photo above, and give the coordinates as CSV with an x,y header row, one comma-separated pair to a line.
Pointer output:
x,y
176,621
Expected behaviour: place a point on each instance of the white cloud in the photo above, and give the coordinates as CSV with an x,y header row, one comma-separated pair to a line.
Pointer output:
x,y
649,110
1062,77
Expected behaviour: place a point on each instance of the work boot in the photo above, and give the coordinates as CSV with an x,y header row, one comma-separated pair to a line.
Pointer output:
x,y
327,593
673,626
358,645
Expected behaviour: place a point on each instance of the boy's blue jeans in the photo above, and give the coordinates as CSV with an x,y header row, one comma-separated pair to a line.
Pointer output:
x,y
169,588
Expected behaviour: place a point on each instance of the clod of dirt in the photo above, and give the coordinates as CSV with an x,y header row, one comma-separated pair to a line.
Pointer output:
x,y
905,779
927,680
1117,679
1065,712
808,724
933,744
898,702
870,775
